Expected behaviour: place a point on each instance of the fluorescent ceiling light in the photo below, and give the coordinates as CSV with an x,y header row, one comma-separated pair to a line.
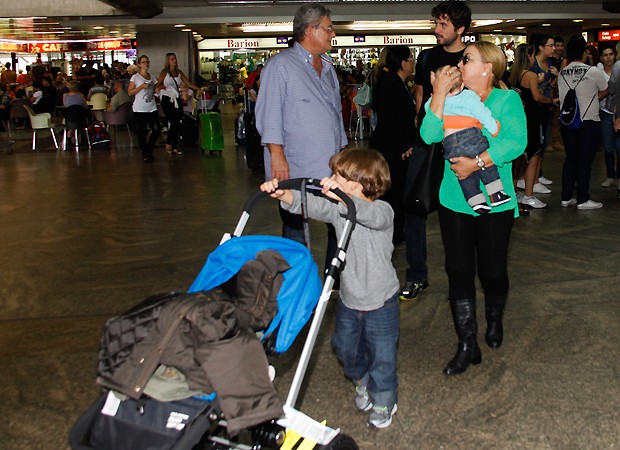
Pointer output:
x,y
179,25
362,25
485,23
285,27
186,29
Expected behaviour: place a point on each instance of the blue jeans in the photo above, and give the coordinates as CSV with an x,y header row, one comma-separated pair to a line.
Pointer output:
x,y
471,142
611,144
365,342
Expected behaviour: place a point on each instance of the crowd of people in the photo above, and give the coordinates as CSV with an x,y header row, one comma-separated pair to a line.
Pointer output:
x,y
121,83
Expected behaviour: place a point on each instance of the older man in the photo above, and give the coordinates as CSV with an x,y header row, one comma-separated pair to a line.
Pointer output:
x,y
120,96
298,110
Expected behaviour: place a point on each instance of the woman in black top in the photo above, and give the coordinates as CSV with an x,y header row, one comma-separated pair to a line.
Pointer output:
x,y
394,135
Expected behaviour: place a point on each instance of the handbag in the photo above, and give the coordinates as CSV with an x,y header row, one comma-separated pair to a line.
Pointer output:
x,y
423,197
364,95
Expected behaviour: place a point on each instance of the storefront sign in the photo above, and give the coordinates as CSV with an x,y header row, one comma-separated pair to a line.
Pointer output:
x,y
609,35
338,41
13,47
81,46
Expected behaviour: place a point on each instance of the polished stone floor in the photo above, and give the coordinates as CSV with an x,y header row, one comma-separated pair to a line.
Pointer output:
x,y
86,235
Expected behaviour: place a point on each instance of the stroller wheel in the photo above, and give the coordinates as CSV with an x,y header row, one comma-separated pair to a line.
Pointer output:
x,y
340,442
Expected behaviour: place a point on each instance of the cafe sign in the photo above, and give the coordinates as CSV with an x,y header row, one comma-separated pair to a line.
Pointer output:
x,y
81,46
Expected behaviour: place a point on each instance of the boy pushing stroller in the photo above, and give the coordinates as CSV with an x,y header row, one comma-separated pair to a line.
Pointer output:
x,y
367,310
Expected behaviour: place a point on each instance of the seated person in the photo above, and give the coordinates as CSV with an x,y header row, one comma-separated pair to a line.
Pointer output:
x,y
5,103
36,97
464,117
98,87
120,96
74,96
46,95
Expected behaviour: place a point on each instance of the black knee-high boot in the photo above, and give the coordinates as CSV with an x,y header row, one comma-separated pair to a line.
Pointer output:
x,y
468,351
494,311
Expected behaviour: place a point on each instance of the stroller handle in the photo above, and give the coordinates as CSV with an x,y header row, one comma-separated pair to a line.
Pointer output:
x,y
297,184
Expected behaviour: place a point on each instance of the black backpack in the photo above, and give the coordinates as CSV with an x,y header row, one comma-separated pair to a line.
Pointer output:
x,y
570,115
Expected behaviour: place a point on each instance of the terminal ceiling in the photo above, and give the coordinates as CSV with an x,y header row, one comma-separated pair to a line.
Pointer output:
x,y
94,19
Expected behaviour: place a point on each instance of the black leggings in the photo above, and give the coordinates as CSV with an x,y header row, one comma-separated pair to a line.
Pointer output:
x,y
469,241
174,116
144,120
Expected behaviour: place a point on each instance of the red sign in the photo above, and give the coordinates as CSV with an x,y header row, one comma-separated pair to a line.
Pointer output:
x,y
609,35
81,46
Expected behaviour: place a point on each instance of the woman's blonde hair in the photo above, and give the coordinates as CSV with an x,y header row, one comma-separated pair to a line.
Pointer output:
x,y
73,85
491,53
365,166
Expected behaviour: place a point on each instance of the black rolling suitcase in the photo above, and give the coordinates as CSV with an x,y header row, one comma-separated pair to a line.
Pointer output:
x,y
190,130
253,148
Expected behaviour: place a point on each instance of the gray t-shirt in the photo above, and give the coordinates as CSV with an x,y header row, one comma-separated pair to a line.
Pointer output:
x,y
369,277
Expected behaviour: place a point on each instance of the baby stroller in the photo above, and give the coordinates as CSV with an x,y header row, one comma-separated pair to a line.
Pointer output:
x,y
202,422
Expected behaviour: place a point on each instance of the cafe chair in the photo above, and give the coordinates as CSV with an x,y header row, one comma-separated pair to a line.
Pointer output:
x,y
40,121
119,117
99,103
75,121
18,114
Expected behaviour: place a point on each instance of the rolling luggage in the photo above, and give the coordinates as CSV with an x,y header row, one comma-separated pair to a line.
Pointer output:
x,y
240,127
212,135
98,136
253,148
190,130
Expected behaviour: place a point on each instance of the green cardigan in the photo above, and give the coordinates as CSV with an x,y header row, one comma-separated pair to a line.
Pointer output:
x,y
509,144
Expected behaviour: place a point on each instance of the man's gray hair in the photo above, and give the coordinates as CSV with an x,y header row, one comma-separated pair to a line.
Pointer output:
x,y
309,14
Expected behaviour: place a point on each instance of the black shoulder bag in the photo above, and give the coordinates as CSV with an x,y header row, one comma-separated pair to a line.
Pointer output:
x,y
424,177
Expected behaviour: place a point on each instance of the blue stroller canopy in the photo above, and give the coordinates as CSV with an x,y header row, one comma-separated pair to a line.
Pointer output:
x,y
300,290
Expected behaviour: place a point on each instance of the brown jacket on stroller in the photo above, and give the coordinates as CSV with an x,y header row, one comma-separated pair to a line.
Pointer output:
x,y
209,337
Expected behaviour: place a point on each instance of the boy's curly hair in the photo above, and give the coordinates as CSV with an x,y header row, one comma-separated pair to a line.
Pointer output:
x,y
365,166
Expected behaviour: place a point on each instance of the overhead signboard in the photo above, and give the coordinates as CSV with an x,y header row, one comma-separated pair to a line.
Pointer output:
x,y
339,41
80,46
609,35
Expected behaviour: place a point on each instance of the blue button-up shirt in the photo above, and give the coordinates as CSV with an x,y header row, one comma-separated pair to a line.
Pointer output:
x,y
301,111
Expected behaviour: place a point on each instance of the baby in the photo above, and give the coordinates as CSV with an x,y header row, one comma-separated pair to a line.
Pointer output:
x,y
464,117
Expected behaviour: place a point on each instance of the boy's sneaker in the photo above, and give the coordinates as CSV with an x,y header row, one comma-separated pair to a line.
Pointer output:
x,y
499,198
410,291
481,208
381,416
362,400
589,205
